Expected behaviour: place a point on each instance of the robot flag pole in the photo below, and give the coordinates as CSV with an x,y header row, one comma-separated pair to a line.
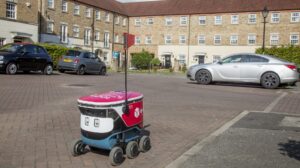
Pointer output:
x,y
129,41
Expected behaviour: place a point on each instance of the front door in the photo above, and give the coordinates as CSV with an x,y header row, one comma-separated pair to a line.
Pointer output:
x,y
201,59
168,61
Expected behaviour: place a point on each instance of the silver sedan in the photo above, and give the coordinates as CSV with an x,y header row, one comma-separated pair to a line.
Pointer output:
x,y
266,70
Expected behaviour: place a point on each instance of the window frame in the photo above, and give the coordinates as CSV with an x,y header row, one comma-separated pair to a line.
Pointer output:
x,y
183,21
168,21
202,18
98,15
52,2
275,19
234,21
137,22
11,13
76,31
231,39
168,41
64,4
150,22
271,39
215,39
204,39
51,28
296,35
218,21
250,18
180,39
76,8
97,35
255,39
137,40
64,33
297,18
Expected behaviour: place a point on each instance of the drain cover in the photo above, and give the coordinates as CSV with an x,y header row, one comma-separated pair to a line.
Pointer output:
x,y
290,122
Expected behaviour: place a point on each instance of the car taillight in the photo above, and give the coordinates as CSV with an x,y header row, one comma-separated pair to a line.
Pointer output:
x,y
76,61
292,67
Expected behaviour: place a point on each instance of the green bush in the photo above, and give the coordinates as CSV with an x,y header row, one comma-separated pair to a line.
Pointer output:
x,y
55,51
141,60
289,53
155,62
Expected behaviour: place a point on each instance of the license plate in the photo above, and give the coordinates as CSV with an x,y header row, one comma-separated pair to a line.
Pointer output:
x,y
67,60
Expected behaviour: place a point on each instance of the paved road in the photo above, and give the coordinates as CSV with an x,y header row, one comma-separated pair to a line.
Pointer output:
x,y
39,117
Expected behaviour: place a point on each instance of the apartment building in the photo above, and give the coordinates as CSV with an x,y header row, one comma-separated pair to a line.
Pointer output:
x,y
197,31
18,21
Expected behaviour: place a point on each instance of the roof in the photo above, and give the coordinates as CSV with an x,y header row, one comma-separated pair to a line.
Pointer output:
x,y
110,5
180,7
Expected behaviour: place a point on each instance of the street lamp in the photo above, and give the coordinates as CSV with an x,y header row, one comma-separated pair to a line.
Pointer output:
x,y
264,13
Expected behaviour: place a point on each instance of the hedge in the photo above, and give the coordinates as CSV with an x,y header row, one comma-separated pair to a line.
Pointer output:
x,y
55,51
142,59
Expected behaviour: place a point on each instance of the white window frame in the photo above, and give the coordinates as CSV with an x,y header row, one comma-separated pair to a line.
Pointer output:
x,y
11,13
202,20
117,21
137,22
76,10
183,20
106,39
64,33
218,20
182,39
107,17
97,35
50,26
234,39
98,15
295,39
88,12
50,4
124,21
201,38
274,39
64,6
295,17
252,18
274,18
116,38
252,39
148,39
76,31
168,39
217,37
87,36
168,21
137,40
150,21
182,59
235,19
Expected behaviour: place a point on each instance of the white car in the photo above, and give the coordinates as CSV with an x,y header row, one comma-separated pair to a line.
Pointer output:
x,y
266,70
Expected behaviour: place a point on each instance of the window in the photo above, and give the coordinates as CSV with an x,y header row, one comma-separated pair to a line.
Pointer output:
x,y
88,12
252,18
2,41
137,40
148,39
97,35
201,39
168,39
181,59
168,21
274,39
75,31
218,20
11,9
64,33
98,15
182,39
232,59
87,37
137,21
294,39
150,21
76,9
275,17
253,58
117,21
116,38
106,40
295,17
107,17
64,6
234,19
217,39
51,4
50,26
216,58
202,20
183,20
251,39
105,56
124,21
234,39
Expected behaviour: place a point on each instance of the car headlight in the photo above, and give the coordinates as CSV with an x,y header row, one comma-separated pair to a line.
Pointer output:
x,y
1,57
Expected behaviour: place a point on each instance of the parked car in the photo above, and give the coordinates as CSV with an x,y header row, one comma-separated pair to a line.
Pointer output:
x,y
26,58
82,62
266,70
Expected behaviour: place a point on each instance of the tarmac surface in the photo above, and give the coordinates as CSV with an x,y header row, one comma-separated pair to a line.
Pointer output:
x,y
39,117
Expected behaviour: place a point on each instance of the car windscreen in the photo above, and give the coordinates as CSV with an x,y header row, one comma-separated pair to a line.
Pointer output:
x,y
73,53
10,47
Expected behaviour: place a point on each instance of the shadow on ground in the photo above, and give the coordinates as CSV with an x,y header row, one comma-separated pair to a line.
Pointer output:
x,y
290,149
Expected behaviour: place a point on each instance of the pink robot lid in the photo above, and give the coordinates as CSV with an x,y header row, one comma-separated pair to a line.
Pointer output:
x,y
110,98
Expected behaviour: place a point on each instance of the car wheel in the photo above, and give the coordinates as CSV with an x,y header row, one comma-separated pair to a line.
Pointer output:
x,y
203,77
103,71
11,69
270,80
81,70
48,70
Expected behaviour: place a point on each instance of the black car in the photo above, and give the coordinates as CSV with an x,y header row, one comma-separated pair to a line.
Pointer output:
x,y
26,58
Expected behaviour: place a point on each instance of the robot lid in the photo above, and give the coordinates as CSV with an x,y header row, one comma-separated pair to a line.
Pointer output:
x,y
110,98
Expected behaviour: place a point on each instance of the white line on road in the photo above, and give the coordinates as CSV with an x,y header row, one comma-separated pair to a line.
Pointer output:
x,y
270,107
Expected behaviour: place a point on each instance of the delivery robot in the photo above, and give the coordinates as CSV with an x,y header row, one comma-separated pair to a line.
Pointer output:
x,y
107,124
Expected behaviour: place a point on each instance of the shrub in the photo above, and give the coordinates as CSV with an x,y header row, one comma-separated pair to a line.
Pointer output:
x,y
141,60
155,62
183,68
55,51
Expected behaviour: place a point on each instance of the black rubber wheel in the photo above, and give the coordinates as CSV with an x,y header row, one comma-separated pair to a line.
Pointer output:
x,y
270,80
116,156
48,70
77,147
11,69
61,70
203,77
132,149
145,144
81,70
103,71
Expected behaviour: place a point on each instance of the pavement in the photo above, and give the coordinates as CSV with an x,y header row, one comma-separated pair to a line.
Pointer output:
x,y
39,117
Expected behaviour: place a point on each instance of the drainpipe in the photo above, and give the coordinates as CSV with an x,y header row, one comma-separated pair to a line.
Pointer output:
x,y
40,20
113,39
189,36
93,30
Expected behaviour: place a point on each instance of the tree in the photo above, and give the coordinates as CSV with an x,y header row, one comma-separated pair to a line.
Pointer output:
x,y
141,60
